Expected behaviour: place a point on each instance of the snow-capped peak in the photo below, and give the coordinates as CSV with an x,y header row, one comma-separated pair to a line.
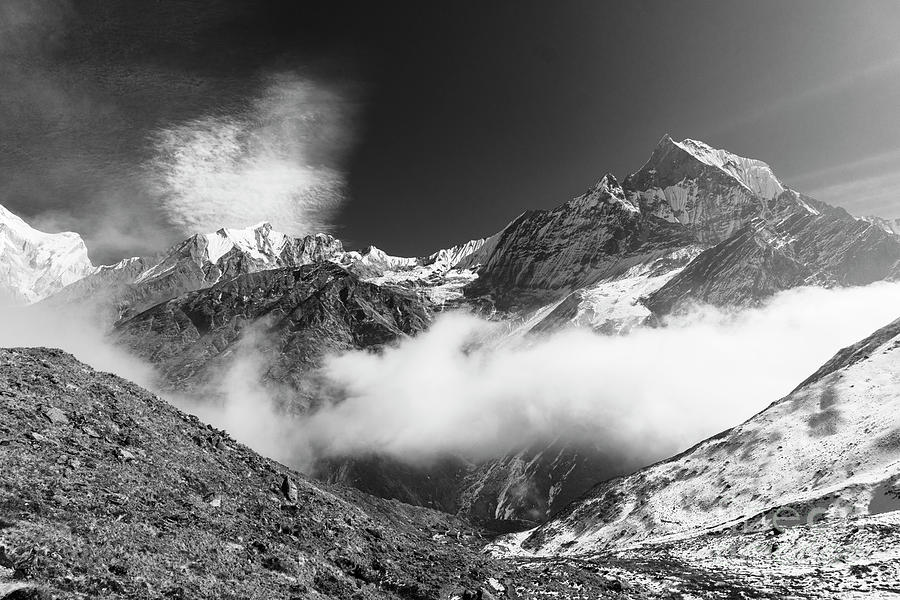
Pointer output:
x,y
607,191
35,264
259,241
756,175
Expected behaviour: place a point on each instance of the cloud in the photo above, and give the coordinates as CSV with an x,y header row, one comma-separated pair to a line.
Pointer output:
x,y
647,394
466,388
253,411
268,163
875,72
866,186
877,195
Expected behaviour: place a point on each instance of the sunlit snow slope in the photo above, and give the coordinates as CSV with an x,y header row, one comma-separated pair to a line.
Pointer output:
x,y
827,450
34,264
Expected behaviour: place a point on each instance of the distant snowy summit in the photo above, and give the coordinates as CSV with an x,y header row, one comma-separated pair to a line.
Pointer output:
x,y
123,290
34,264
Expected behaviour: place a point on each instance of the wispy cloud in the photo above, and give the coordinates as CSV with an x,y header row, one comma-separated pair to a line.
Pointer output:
x,y
262,164
855,79
867,186
878,195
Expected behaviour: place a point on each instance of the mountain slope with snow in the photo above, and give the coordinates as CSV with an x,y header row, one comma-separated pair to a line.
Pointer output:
x,y
200,261
543,255
828,450
116,292
34,264
789,249
694,224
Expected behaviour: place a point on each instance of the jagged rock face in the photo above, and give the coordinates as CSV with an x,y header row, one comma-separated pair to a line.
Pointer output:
x,y
826,450
545,254
203,260
765,257
123,290
603,258
303,314
618,305
104,487
711,192
34,264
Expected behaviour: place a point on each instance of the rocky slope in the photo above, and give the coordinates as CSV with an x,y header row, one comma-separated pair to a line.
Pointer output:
x,y
888,225
302,314
107,491
34,264
827,451
295,318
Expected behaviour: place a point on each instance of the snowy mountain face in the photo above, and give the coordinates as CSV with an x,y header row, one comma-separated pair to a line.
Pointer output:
x,y
788,250
600,235
199,262
119,291
711,192
694,224
828,450
34,264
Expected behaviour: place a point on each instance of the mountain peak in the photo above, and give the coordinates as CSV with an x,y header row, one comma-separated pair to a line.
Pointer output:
x,y
259,241
607,191
754,174
35,264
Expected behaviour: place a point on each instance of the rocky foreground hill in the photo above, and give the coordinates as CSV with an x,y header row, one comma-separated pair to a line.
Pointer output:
x,y
107,491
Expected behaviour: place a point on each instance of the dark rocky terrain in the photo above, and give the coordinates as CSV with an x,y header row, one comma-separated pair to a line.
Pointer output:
x,y
303,314
298,317
107,491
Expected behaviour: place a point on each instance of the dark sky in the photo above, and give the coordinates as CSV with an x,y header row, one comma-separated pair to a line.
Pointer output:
x,y
414,125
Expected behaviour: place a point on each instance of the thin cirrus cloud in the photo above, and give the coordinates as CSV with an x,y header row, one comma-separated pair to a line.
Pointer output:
x,y
872,74
273,162
868,186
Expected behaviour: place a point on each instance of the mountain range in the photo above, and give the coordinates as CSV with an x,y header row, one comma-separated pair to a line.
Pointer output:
x,y
693,225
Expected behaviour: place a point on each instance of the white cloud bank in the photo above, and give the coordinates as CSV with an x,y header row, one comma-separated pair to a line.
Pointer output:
x,y
455,390
266,164
650,393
